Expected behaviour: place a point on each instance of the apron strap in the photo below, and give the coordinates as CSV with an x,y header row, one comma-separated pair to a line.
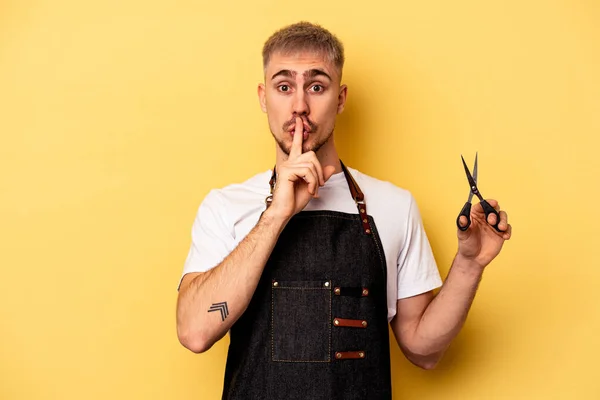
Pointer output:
x,y
357,195
359,199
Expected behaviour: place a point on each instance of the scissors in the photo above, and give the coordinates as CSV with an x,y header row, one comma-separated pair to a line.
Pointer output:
x,y
466,210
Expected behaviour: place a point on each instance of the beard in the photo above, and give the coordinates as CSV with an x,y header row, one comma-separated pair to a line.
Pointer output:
x,y
286,147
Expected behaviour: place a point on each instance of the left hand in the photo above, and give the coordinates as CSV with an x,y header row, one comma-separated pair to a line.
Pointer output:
x,y
481,243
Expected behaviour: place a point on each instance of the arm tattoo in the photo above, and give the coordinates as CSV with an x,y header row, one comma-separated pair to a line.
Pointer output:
x,y
220,307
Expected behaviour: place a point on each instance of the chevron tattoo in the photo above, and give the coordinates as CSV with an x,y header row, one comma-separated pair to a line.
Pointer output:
x,y
220,307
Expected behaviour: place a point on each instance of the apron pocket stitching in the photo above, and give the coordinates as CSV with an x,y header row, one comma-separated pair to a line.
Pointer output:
x,y
288,293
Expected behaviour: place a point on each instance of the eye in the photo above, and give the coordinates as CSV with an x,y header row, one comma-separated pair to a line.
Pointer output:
x,y
284,88
317,88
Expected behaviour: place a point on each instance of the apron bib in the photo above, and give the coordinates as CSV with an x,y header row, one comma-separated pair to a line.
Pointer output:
x,y
316,327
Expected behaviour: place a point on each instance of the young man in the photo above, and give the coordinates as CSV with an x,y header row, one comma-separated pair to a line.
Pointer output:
x,y
307,266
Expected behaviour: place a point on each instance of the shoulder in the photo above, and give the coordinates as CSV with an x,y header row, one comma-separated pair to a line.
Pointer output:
x,y
382,191
233,201
393,207
257,186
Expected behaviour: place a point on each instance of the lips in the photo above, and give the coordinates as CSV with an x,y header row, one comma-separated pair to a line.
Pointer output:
x,y
305,132
307,128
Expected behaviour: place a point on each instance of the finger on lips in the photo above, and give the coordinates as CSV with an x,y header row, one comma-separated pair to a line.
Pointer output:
x,y
296,150
305,161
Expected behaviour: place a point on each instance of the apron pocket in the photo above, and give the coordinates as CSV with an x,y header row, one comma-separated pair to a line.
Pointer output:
x,y
301,321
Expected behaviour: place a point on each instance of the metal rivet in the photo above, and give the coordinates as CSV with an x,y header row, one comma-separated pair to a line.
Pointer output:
x,y
326,284
362,210
337,290
336,322
364,323
338,355
365,220
275,283
361,354
368,231
365,292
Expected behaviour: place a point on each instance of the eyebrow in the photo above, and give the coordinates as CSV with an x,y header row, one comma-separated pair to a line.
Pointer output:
x,y
311,73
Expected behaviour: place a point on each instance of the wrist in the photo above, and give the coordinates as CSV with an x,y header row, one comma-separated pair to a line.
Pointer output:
x,y
468,265
271,216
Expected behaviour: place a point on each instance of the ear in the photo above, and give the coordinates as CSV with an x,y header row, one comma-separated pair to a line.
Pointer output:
x,y
262,99
342,98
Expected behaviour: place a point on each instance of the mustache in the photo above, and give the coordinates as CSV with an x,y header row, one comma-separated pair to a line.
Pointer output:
x,y
292,123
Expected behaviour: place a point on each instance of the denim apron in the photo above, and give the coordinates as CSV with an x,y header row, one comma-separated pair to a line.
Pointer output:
x,y
316,326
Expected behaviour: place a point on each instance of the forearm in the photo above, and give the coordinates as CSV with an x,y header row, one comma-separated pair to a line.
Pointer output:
x,y
446,314
231,283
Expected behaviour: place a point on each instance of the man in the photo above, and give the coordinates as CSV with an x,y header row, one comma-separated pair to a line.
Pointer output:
x,y
306,266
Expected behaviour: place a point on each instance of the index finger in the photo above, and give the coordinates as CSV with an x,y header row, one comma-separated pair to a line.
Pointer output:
x,y
296,150
478,208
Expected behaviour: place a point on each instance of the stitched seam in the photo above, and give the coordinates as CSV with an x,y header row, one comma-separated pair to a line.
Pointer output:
x,y
330,334
272,324
384,265
307,361
379,252
352,217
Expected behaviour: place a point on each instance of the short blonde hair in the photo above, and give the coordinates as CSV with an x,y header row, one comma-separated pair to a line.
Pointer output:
x,y
305,36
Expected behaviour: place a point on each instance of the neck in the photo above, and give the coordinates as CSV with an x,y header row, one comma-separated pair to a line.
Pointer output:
x,y
327,155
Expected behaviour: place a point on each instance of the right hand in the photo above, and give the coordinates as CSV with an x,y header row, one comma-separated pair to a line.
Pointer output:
x,y
298,178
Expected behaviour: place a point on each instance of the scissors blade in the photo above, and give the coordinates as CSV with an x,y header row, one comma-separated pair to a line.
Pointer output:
x,y
475,170
472,182
471,193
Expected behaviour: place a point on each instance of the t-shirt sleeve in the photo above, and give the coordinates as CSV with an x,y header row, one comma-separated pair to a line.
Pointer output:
x,y
212,236
417,269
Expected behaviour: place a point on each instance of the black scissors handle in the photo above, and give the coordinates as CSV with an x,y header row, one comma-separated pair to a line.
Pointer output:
x,y
466,211
487,209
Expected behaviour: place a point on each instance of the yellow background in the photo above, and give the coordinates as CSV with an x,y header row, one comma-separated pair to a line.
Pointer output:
x,y
117,117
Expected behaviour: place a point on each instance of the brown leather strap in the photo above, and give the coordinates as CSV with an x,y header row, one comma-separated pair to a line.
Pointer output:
x,y
357,195
359,199
345,355
350,323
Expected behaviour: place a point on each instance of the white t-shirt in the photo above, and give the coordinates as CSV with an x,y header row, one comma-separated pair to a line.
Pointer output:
x,y
228,214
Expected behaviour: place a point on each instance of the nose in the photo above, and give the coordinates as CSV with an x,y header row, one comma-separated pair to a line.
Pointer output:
x,y
300,103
